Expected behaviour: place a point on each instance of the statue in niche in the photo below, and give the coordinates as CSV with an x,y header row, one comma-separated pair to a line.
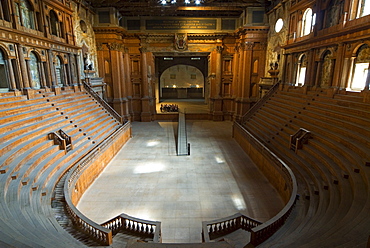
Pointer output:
x,y
181,41
88,65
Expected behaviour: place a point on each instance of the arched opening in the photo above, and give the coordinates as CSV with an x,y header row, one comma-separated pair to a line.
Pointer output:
x,y
54,22
327,70
181,82
59,71
26,14
308,21
301,70
4,82
34,71
360,71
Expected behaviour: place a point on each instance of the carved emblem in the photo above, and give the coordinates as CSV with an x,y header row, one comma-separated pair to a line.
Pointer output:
x,y
181,42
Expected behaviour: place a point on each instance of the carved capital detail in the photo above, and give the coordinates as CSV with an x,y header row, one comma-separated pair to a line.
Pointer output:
x,y
219,49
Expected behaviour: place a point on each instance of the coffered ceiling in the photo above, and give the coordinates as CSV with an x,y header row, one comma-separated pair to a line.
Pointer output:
x,y
180,8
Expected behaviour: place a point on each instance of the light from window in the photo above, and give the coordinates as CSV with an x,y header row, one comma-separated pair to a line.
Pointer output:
x,y
279,25
308,22
359,76
363,8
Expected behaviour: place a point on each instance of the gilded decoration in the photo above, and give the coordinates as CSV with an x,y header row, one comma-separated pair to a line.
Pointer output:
x,y
363,54
181,42
116,47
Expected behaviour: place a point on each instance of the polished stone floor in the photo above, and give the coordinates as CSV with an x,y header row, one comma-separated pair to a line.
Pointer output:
x,y
147,180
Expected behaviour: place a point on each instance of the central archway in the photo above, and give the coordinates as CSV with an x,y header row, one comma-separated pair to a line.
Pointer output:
x,y
181,77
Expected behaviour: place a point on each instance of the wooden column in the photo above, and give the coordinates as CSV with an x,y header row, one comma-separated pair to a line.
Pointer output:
x,y
339,64
235,82
145,108
247,71
22,62
13,86
51,69
116,67
217,99
128,83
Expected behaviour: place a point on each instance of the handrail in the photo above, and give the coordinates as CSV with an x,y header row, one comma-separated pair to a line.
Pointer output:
x,y
262,232
104,103
217,228
91,228
258,104
62,139
299,138
137,227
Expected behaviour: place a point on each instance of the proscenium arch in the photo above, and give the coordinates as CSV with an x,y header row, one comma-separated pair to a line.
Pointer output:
x,y
165,61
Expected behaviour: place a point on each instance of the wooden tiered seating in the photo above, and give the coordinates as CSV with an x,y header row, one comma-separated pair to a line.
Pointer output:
x,y
333,181
31,164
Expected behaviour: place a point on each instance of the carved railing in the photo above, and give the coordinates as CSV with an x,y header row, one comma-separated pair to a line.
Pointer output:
x,y
137,227
299,138
221,227
62,139
262,232
98,233
103,103
258,104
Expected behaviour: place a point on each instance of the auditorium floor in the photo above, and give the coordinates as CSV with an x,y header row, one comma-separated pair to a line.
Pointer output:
x,y
147,180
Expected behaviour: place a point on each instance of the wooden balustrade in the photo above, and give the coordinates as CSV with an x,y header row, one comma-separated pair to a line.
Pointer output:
x,y
94,230
62,139
137,227
217,228
258,104
104,103
261,232
299,138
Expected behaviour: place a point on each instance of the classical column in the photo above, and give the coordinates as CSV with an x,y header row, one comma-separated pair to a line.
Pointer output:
x,y
217,100
219,50
127,81
145,108
115,55
22,63
339,65
42,74
13,86
318,73
51,69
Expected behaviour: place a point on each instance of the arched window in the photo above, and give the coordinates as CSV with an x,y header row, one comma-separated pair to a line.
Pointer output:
x,y
360,69
301,71
4,82
34,71
54,23
360,8
59,72
4,10
26,15
308,21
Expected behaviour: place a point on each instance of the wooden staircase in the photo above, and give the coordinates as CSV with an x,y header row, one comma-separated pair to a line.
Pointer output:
x,y
333,179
